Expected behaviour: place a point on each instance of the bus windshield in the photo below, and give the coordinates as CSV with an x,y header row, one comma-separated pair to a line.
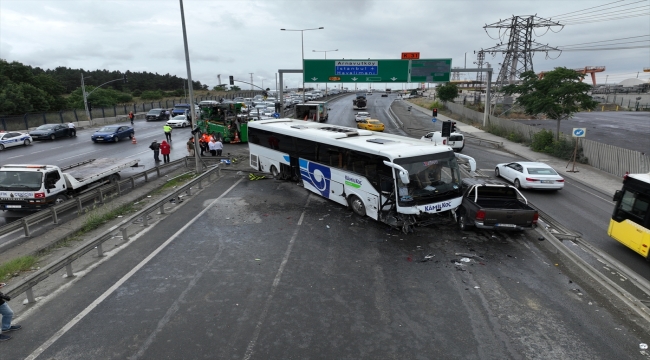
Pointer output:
x,y
434,177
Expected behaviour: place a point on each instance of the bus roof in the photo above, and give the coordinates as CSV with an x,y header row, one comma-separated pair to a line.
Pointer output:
x,y
389,145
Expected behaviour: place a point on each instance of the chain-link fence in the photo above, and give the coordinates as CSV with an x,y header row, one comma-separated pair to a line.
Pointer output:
x,y
31,120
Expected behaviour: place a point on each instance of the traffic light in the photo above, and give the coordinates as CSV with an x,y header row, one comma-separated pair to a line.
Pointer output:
x,y
90,106
446,129
232,80
453,126
435,112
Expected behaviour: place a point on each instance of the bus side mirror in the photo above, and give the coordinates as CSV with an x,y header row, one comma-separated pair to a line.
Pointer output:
x,y
404,176
618,195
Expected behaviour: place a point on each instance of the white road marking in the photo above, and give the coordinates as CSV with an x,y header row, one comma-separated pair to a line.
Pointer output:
x,y
276,281
119,283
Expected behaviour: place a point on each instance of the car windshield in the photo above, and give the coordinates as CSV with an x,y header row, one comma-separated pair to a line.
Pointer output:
x,y
374,122
154,111
432,177
20,180
107,129
46,127
541,171
179,117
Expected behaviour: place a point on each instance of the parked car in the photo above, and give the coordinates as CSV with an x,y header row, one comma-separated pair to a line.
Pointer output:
x,y
180,121
530,175
14,138
371,124
361,115
490,205
50,132
156,114
384,95
112,133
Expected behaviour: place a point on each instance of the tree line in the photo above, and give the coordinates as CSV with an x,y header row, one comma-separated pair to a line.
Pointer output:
x,y
24,88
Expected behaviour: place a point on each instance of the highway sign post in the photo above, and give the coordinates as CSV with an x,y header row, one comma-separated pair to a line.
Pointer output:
x,y
576,133
369,71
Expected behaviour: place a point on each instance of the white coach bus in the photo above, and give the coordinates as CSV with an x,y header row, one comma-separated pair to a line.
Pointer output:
x,y
393,179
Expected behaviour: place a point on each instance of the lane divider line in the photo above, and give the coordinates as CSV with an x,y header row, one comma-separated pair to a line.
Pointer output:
x,y
276,282
126,277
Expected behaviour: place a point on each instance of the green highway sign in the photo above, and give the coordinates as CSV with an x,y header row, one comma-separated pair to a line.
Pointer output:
x,y
366,71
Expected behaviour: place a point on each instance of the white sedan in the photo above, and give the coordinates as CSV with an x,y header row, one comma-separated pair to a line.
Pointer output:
x,y
180,121
14,138
361,115
530,175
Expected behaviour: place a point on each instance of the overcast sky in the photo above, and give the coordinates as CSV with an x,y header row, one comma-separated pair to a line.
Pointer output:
x,y
233,37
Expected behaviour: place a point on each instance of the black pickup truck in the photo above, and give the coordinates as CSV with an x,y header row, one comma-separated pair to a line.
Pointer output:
x,y
492,205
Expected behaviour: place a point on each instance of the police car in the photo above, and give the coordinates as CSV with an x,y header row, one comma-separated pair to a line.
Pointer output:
x,y
14,138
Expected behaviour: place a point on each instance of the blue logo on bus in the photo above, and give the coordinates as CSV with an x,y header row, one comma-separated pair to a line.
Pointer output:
x,y
316,175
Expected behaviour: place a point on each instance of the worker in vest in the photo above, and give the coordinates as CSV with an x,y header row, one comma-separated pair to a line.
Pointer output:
x,y
203,142
168,132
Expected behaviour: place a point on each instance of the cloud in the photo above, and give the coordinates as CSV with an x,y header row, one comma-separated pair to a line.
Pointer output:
x,y
236,37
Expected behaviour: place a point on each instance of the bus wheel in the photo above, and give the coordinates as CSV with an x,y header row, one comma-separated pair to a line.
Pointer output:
x,y
357,205
275,173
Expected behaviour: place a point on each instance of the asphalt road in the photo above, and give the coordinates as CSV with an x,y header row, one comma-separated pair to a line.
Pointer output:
x,y
68,151
626,129
269,271
580,208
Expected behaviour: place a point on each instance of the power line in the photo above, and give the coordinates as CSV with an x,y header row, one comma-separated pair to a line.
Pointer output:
x,y
592,42
612,13
614,48
608,19
601,10
593,46
587,8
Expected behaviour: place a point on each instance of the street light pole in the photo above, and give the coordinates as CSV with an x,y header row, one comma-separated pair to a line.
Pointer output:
x,y
325,51
302,49
197,161
83,90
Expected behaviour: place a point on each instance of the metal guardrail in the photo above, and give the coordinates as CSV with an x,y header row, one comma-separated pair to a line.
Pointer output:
x,y
78,201
66,261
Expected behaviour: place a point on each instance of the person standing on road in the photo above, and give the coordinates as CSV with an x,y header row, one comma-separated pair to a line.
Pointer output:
x,y
190,146
7,315
168,132
167,114
72,130
156,150
131,117
205,139
212,145
165,149
218,146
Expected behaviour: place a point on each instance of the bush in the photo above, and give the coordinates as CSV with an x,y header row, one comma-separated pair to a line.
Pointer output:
x,y
151,95
136,93
505,133
542,140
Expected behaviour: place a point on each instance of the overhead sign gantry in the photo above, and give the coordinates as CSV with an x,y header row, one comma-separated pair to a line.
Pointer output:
x,y
367,71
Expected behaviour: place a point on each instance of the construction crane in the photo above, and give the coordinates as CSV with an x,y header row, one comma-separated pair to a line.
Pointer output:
x,y
584,71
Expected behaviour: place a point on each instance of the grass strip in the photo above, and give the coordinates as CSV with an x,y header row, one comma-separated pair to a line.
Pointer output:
x,y
15,266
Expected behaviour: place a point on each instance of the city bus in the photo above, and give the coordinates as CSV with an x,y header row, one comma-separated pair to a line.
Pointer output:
x,y
393,179
630,222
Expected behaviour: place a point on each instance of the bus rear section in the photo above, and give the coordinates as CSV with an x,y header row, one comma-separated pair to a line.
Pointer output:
x,y
630,222
392,179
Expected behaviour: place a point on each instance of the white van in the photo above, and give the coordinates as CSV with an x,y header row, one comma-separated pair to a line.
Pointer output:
x,y
456,140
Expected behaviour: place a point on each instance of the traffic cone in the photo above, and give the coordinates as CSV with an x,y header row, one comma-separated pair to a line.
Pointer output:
x,y
133,140
236,139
